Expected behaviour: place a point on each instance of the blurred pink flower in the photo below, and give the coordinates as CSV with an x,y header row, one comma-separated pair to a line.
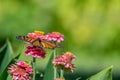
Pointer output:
x,y
55,36
20,71
65,61
35,51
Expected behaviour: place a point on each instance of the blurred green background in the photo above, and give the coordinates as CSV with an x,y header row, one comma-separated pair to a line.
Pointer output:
x,y
91,29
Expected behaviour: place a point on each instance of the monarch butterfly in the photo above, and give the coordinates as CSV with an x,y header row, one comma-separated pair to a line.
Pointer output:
x,y
38,42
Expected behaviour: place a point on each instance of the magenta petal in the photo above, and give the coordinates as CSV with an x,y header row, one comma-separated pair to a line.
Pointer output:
x,y
35,51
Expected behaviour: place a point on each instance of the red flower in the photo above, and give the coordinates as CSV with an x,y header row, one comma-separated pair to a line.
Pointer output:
x,y
35,51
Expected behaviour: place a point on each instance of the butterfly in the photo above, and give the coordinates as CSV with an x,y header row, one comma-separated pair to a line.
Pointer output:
x,y
38,42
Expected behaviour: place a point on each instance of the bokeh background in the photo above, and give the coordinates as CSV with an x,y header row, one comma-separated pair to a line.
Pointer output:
x,y
91,29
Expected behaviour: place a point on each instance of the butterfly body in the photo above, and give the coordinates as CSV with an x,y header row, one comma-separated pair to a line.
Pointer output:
x,y
38,42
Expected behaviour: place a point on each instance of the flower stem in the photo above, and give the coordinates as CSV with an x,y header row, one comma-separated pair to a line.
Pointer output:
x,y
34,68
55,70
61,73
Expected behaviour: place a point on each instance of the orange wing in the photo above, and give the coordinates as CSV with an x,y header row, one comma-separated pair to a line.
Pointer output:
x,y
38,42
25,38
48,44
33,41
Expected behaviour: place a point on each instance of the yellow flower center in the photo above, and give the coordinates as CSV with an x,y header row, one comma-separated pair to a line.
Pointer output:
x,y
39,33
55,32
68,53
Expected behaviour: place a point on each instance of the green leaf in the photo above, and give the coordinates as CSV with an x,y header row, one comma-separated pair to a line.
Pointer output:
x,y
6,56
105,74
9,77
2,51
49,71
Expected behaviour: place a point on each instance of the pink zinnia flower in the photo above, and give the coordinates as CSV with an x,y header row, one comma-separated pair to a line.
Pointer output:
x,y
35,51
55,36
65,61
37,34
20,71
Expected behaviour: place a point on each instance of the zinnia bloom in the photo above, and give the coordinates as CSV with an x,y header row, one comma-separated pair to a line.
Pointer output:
x,y
21,71
65,62
59,79
35,51
37,34
55,36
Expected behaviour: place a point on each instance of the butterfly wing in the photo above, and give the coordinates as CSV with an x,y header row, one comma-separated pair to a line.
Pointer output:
x,y
48,44
33,41
25,38
38,42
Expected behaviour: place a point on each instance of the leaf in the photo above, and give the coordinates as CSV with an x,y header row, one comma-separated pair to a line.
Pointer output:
x,y
2,51
49,73
6,56
9,77
105,74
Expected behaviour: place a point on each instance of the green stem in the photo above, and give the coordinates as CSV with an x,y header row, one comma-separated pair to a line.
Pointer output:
x,y
34,68
55,70
61,73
